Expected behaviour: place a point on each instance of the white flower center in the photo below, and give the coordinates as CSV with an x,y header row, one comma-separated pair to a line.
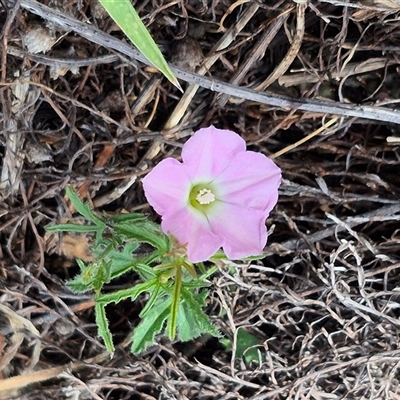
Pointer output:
x,y
205,196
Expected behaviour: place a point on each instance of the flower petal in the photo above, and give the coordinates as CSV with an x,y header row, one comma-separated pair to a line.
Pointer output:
x,y
192,228
209,150
250,180
167,186
244,183
243,230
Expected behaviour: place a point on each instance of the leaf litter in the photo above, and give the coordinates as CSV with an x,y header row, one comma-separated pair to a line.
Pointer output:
x,y
324,303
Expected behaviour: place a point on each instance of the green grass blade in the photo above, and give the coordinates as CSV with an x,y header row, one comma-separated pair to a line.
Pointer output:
x,y
126,17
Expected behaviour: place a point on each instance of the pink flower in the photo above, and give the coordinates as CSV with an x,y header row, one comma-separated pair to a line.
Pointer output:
x,y
219,196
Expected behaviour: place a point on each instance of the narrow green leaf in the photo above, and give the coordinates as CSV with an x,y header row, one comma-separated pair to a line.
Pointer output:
x,y
152,300
200,282
132,293
150,326
122,261
143,269
220,255
149,234
129,217
100,273
126,17
77,286
148,259
254,258
102,325
82,208
72,228
207,273
190,268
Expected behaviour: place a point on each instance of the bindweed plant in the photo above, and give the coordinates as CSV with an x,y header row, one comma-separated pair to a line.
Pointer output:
x,y
218,197
130,242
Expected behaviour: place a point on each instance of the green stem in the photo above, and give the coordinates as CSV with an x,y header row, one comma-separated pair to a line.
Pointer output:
x,y
175,303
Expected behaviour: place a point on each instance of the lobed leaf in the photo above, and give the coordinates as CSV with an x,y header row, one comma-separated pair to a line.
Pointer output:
x,y
122,261
151,325
193,320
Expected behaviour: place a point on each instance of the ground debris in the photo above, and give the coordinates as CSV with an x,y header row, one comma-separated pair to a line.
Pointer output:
x,y
325,302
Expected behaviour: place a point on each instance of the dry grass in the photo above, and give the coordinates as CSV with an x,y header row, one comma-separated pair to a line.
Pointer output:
x,y
84,111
